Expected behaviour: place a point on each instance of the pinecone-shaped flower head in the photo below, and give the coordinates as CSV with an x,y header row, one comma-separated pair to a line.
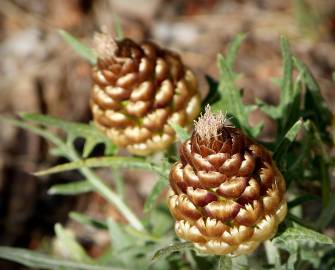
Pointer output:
x,y
227,195
139,90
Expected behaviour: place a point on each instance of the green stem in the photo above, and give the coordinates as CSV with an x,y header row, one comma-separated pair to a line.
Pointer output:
x,y
108,194
113,198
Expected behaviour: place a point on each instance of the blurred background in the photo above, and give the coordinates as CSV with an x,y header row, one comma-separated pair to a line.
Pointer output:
x,y
40,73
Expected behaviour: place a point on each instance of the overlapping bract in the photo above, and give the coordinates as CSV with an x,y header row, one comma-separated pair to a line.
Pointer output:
x,y
140,89
227,195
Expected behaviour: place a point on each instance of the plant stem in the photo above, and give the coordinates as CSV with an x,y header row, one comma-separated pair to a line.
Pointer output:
x,y
112,197
108,194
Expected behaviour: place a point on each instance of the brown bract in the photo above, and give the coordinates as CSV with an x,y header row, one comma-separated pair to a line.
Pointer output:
x,y
139,89
227,195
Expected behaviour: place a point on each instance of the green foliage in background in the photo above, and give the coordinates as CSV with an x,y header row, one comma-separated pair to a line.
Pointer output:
x,y
300,148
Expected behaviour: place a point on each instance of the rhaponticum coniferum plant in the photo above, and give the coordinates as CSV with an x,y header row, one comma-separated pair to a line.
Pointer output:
x,y
234,201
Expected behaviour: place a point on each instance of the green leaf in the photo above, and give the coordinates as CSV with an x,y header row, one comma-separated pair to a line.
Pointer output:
x,y
118,28
71,188
293,258
38,260
79,47
233,49
231,100
119,238
322,159
314,101
154,194
225,263
272,254
177,247
286,141
181,132
118,162
159,221
311,256
74,130
298,233
270,110
36,130
118,182
327,214
240,263
213,94
88,221
67,150
69,246
288,110
286,82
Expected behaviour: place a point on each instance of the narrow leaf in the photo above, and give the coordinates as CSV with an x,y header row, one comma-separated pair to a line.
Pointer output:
x,y
327,214
154,194
119,162
317,102
286,82
233,49
119,238
38,260
286,141
89,145
69,246
36,130
118,28
79,47
172,248
88,221
71,188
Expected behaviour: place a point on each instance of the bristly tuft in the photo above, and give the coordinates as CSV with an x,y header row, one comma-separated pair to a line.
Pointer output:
x,y
209,124
104,45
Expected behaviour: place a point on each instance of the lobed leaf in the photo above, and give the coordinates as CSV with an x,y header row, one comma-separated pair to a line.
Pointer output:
x,y
234,46
298,233
74,130
231,100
